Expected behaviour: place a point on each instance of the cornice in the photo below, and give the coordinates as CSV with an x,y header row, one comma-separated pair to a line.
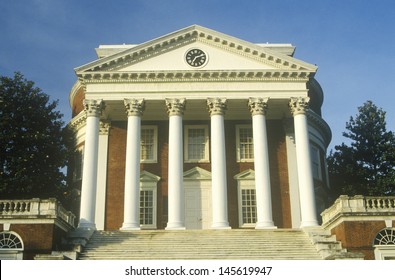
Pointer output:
x,y
320,124
78,121
189,35
193,76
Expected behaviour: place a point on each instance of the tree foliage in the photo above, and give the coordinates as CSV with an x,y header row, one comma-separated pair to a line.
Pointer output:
x,y
33,142
367,165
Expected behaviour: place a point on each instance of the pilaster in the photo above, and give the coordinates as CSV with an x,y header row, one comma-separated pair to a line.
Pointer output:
x,y
104,129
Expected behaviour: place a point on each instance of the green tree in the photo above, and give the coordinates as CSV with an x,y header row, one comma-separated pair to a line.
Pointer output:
x,y
367,165
33,142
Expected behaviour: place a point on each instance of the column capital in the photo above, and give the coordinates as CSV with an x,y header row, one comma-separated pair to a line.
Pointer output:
x,y
175,107
104,127
93,107
216,106
134,107
299,105
258,106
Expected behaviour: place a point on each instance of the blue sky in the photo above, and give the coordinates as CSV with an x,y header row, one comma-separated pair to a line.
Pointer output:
x,y
351,41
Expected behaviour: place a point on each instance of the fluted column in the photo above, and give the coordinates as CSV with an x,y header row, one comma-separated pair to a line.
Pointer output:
x,y
176,220
258,107
298,106
93,110
217,107
131,219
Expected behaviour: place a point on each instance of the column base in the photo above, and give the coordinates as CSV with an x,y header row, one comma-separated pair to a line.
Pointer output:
x,y
305,224
265,225
175,226
223,225
130,226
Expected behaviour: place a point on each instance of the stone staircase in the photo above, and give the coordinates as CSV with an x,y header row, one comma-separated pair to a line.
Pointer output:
x,y
280,244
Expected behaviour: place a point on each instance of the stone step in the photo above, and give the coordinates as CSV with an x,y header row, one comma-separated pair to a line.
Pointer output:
x,y
200,244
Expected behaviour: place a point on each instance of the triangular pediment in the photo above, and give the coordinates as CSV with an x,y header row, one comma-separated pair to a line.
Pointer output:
x,y
197,173
146,176
248,174
165,57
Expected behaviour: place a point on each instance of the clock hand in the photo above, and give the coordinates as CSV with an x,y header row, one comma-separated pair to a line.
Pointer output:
x,y
200,55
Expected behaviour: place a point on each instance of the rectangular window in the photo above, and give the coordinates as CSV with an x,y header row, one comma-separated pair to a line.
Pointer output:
x,y
248,206
146,207
316,162
245,143
196,143
78,164
148,144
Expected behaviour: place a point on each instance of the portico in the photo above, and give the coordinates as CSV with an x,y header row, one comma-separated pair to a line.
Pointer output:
x,y
246,107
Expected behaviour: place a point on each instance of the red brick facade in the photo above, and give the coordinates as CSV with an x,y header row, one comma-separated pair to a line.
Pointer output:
x,y
358,236
116,173
38,238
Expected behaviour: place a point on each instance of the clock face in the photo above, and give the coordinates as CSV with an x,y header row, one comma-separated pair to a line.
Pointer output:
x,y
196,58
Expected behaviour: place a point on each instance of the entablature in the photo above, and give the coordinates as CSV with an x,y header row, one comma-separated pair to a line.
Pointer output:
x,y
194,76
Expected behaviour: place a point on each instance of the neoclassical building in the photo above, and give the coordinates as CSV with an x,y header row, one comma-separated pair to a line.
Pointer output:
x,y
198,130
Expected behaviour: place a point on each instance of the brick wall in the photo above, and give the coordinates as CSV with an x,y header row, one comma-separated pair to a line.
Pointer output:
x,y
115,175
77,105
358,236
116,172
37,238
279,175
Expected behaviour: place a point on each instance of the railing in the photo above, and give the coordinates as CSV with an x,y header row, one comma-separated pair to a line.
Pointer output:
x,y
50,208
359,206
379,203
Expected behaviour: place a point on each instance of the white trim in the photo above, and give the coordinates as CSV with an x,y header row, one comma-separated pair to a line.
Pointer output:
x,y
245,184
149,182
384,252
12,253
245,180
155,148
186,142
238,156
153,189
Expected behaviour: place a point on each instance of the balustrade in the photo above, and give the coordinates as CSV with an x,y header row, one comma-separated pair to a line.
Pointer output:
x,y
359,206
14,206
380,203
14,209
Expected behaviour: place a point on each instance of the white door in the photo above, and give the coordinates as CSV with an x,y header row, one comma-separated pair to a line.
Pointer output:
x,y
197,205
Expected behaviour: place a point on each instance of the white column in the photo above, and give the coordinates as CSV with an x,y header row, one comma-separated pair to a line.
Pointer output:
x,y
93,110
131,219
217,107
258,107
298,108
175,109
